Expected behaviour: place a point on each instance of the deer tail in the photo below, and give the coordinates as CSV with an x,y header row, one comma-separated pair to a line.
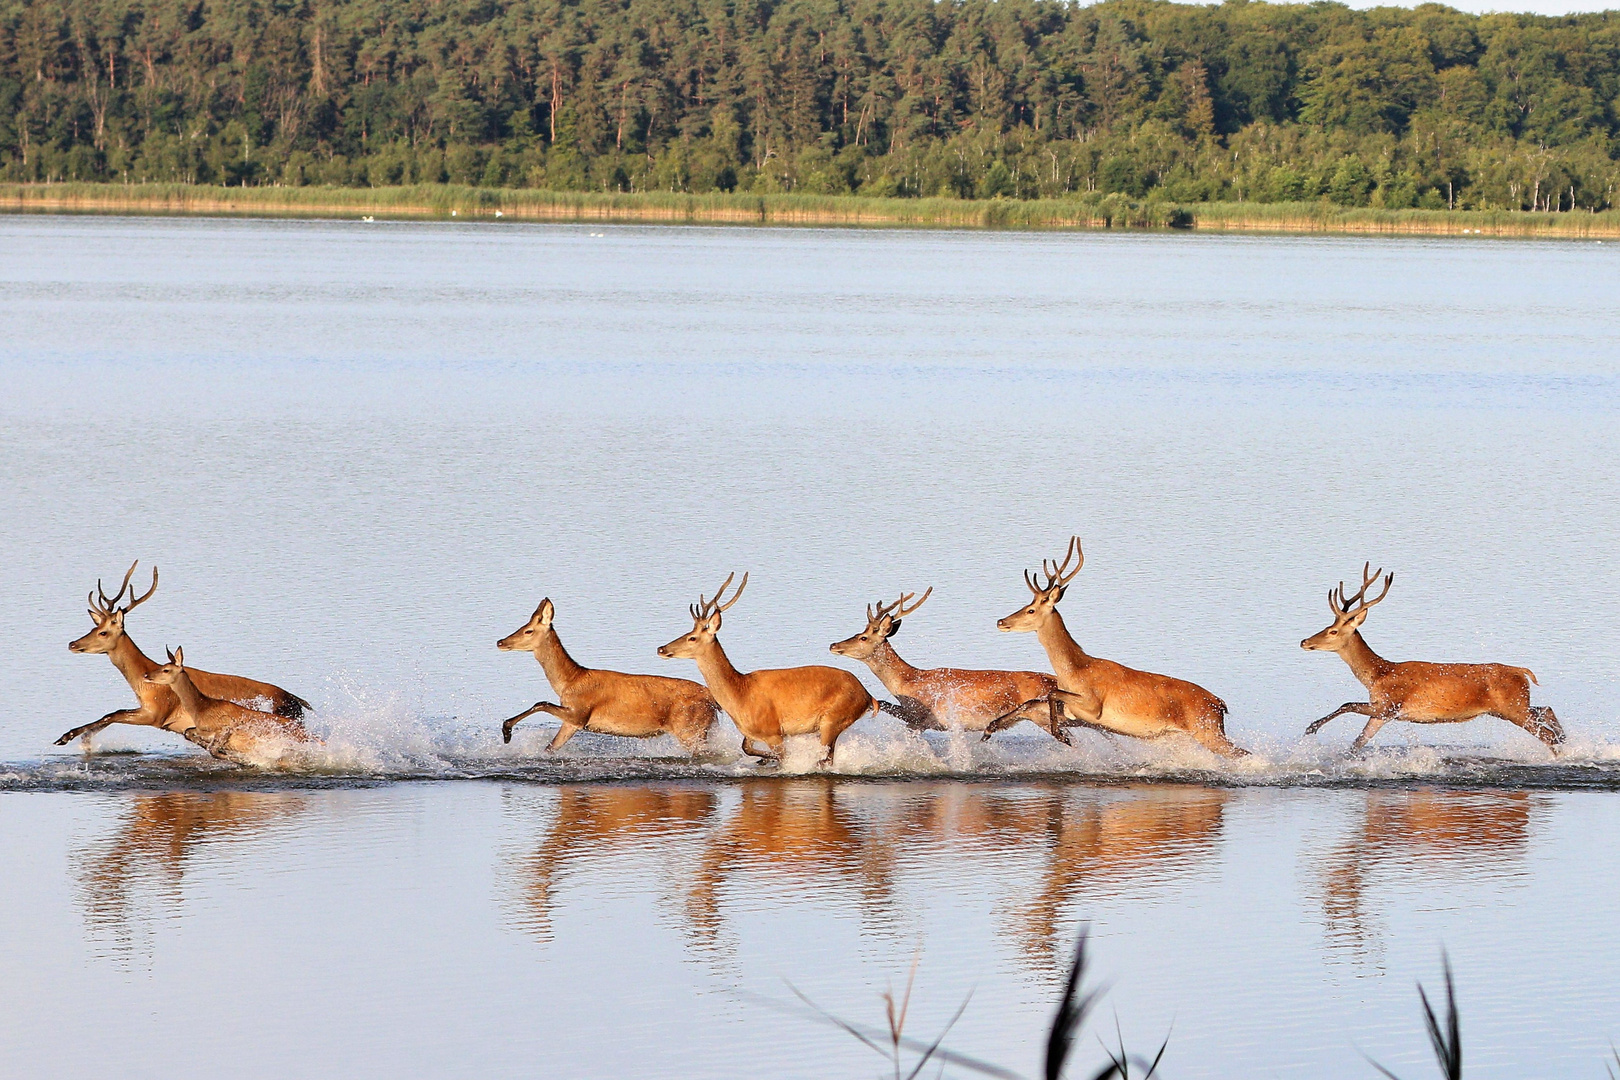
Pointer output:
x,y
1529,675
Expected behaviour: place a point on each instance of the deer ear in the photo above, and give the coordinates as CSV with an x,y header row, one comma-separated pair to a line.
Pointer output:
x,y
1355,621
1060,594
179,656
894,628
713,623
546,610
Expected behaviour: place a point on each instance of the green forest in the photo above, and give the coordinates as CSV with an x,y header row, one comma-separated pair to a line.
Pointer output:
x,y
1389,107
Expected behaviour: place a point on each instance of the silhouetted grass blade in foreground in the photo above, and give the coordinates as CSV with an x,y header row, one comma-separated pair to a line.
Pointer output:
x,y
1447,1039
1073,1008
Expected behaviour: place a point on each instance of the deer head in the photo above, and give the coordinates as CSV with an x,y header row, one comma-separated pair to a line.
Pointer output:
x,y
108,616
1349,612
1046,595
882,622
705,623
169,673
530,634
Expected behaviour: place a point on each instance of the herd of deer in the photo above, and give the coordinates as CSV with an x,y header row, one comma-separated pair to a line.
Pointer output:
x,y
218,711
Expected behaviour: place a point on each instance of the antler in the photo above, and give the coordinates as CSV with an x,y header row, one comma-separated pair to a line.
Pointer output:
x,y
704,608
106,605
1057,574
898,609
1342,604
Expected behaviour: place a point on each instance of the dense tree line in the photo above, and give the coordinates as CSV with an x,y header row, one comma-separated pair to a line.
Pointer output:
x,y
1015,98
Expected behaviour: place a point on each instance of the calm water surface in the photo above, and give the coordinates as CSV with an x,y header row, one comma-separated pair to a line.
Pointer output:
x,y
360,454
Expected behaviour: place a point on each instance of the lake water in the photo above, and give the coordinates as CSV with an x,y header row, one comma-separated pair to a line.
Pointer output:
x,y
361,453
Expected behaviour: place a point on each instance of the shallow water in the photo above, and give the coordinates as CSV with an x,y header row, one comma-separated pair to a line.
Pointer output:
x,y
361,453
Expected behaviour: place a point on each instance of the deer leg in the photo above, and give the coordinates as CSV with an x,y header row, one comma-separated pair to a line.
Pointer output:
x,y
1547,728
1377,721
1030,710
912,713
554,709
766,751
84,731
1362,708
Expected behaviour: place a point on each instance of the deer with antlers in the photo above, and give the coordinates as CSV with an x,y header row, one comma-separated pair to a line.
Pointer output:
x,y
608,702
225,729
769,705
158,703
937,699
1418,692
1104,694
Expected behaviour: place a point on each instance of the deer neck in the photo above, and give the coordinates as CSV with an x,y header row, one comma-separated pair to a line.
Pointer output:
x,y
560,668
891,670
133,665
725,682
1061,648
1367,666
191,699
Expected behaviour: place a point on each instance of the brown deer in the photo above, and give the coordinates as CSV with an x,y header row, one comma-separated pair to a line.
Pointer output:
x,y
157,702
608,702
1106,695
225,729
937,699
769,705
1418,692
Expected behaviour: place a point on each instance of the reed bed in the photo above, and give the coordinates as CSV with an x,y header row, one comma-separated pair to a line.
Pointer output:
x,y
448,201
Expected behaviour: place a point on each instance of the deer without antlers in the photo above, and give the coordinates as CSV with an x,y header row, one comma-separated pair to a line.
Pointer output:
x,y
1418,692
1106,695
223,728
769,705
937,699
609,702
158,703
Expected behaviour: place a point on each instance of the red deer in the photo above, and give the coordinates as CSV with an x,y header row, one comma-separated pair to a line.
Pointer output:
x,y
225,729
608,702
1418,692
769,705
938,699
1106,695
157,703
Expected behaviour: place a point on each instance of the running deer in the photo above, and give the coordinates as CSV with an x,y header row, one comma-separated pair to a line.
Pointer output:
x,y
158,703
608,702
225,729
1419,692
769,705
937,699
1106,695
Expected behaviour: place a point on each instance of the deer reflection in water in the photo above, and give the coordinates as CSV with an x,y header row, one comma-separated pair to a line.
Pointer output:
x,y
1091,843
797,825
153,844
833,841
595,820
801,828
1429,832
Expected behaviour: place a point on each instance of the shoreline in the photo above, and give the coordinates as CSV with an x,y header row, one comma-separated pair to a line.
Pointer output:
x,y
1089,212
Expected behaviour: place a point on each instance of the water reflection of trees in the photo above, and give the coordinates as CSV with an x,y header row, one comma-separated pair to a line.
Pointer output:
x,y
1446,836
1034,851
150,848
